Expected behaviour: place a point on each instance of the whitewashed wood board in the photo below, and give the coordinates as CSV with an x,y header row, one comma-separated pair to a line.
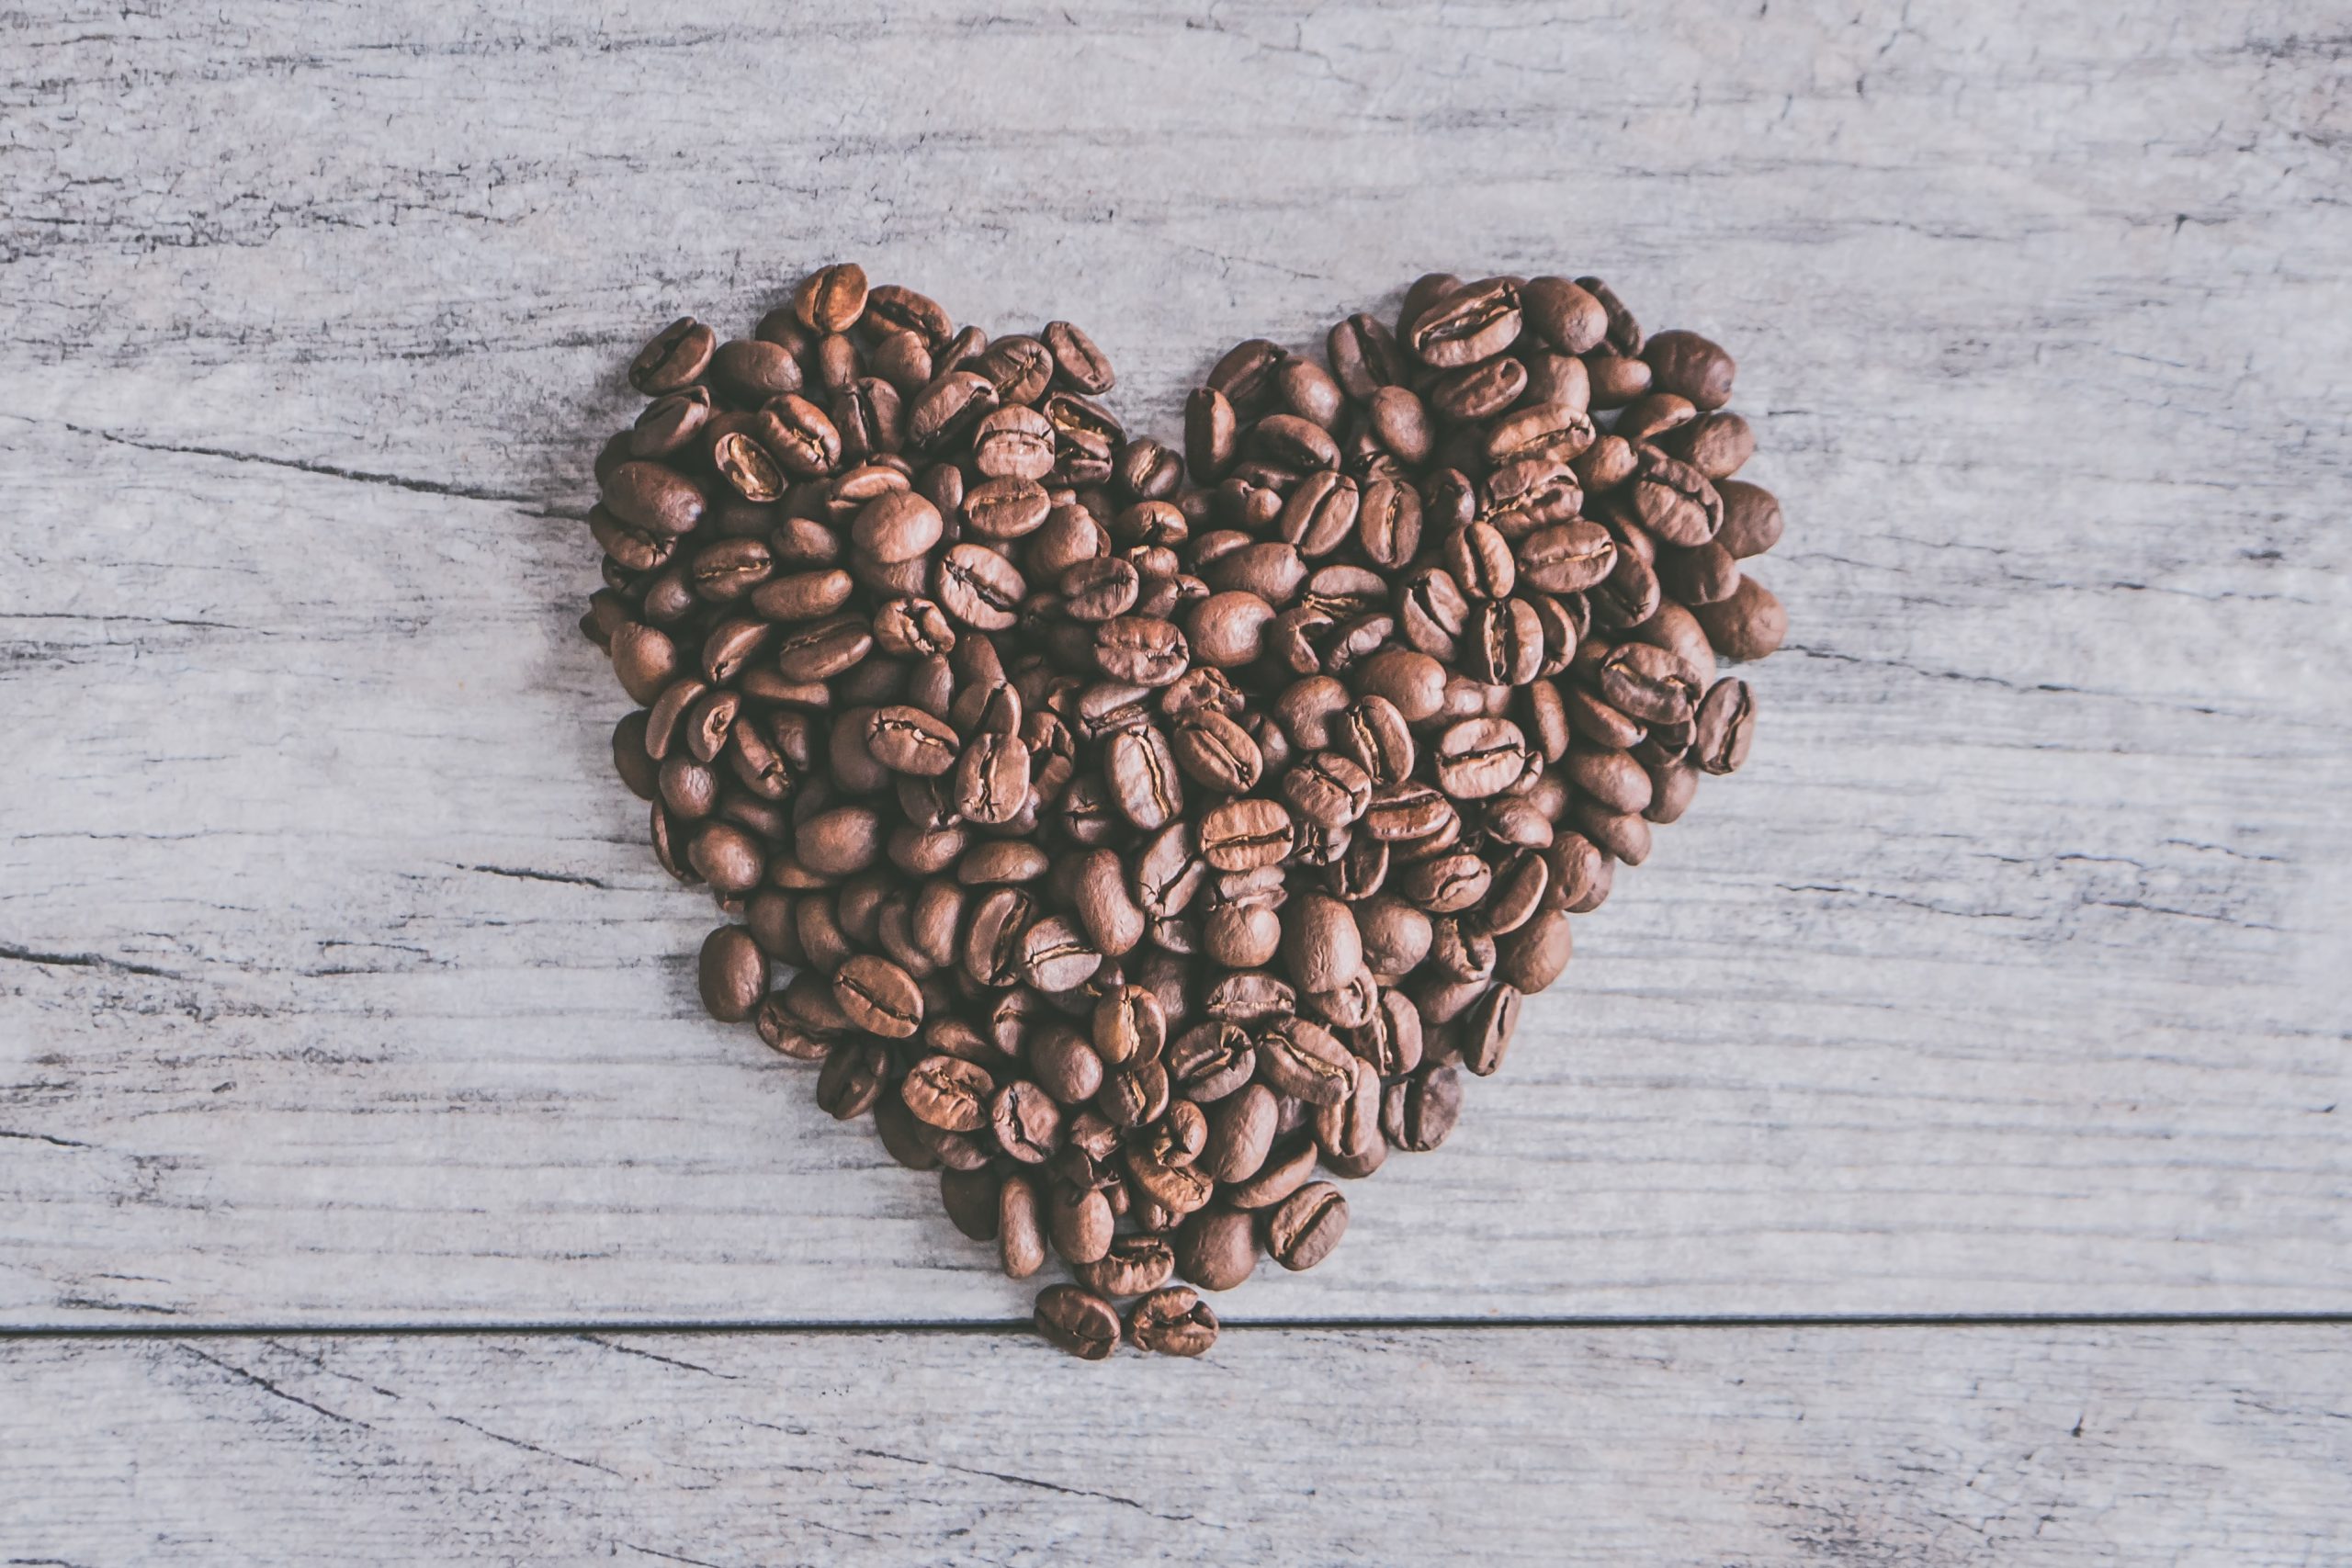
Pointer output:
x,y
336,985
1755,1447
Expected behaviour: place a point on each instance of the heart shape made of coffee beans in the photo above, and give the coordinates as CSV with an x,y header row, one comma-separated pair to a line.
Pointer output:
x,y
1147,829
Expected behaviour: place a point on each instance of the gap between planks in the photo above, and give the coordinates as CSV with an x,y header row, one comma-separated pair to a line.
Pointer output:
x,y
553,1328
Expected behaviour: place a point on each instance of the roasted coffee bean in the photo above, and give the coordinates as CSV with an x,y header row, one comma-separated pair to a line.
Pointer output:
x,y
1487,1028
1418,1112
1674,501
1129,1026
852,1078
1078,1321
1025,1120
1020,1227
1321,946
980,588
1217,1247
1076,359
948,1093
733,973
1239,835
1303,1060
1474,324
1306,1227
1689,365
1173,1322
880,998
1078,1221
675,358
1210,1061
1481,757
1726,721
1134,1265
1648,683
1748,624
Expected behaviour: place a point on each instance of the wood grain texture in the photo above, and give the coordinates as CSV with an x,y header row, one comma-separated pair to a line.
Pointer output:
x,y
1762,1447
2011,976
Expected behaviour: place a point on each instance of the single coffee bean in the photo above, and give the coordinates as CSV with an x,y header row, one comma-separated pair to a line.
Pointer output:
x,y
948,1093
1078,1321
881,999
1026,1122
1321,946
1173,1322
1487,1028
970,1198
1727,722
1418,1112
1307,1226
1217,1248
1054,956
1077,360
733,973
851,1078
1129,1025
1748,624
1303,1060
1210,1061
1021,1230
1078,1221
1689,365
1532,957
675,358
1134,1265
1239,835
1648,683
1135,1095
1564,315
1475,324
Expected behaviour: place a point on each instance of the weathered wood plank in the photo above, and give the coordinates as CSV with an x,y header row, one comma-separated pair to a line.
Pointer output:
x,y
2009,976
1759,1447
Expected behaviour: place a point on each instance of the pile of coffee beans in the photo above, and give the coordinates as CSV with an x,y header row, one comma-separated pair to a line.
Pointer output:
x,y
1152,834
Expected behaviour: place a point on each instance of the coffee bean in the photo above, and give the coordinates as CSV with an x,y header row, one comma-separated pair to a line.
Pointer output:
x,y
1021,1230
1026,1122
852,1078
1726,721
1077,360
1079,1221
1689,365
1474,324
1303,1059
1210,1061
1173,1322
675,358
1129,1025
1418,1112
733,973
1217,1248
1307,1226
1239,835
881,999
1648,683
970,1198
947,1092
1748,624
1054,956
1674,501
1321,946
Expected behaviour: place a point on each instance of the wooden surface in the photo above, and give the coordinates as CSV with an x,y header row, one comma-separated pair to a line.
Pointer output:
x,y
2009,977
1761,1447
